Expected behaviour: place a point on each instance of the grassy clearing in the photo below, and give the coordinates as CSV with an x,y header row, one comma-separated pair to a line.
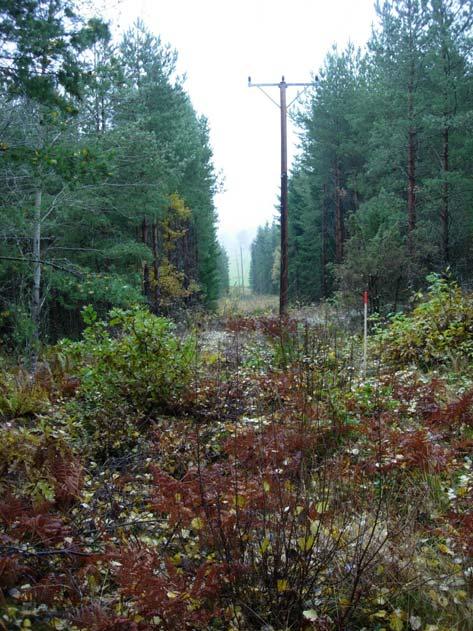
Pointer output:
x,y
238,302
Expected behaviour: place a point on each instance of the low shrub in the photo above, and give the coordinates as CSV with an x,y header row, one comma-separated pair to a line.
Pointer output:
x,y
130,368
439,330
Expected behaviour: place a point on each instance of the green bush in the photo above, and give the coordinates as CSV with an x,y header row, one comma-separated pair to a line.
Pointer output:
x,y
439,330
130,367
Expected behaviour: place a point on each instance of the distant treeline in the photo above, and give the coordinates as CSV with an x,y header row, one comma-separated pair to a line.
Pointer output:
x,y
265,260
382,191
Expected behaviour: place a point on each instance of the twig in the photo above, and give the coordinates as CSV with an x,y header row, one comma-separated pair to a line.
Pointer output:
x,y
41,553
50,263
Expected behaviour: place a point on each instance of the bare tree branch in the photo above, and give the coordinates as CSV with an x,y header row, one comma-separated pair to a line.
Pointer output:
x,y
50,263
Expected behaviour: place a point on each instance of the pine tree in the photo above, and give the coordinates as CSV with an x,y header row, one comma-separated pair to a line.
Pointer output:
x,y
264,257
325,186
43,41
223,271
131,152
448,48
379,195
399,70
42,76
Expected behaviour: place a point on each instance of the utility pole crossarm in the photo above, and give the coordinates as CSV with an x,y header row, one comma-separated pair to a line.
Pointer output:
x,y
282,85
262,85
277,85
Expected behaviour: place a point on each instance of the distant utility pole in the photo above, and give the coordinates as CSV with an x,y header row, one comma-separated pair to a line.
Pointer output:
x,y
282,105
238,272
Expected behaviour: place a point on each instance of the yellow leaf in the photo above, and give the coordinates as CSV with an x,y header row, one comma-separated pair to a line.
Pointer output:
x,y
314,526
239,501
264,545
266,486
459,596
172,594
282,585
382,613
92,583
395,621
444,549
197,523
306,543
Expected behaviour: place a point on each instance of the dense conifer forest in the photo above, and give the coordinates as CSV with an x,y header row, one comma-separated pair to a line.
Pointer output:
x,y
107,176
382,191
176,456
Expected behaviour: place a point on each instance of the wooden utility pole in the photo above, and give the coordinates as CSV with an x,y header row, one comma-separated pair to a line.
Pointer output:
x,y
282,105
283,282
237,266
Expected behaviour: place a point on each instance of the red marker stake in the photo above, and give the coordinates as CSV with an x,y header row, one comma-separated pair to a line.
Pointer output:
x,y
365,332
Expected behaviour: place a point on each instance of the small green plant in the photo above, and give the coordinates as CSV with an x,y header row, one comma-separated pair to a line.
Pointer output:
x,y
38,467
21,396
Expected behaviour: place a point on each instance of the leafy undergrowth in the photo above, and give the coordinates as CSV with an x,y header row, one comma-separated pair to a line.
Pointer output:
x,y
438,331
246,479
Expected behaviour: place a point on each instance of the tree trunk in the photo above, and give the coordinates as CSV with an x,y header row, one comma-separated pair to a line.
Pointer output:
x,y
324,243
103,117
447,111
411,155
146,280
155,269
396,293
185,259
36,297
445,210
411,191
339,228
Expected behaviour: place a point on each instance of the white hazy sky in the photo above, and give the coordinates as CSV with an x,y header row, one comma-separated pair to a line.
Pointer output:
x,y
220,43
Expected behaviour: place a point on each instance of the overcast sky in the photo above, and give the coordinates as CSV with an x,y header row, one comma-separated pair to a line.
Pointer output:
x,y
220,43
